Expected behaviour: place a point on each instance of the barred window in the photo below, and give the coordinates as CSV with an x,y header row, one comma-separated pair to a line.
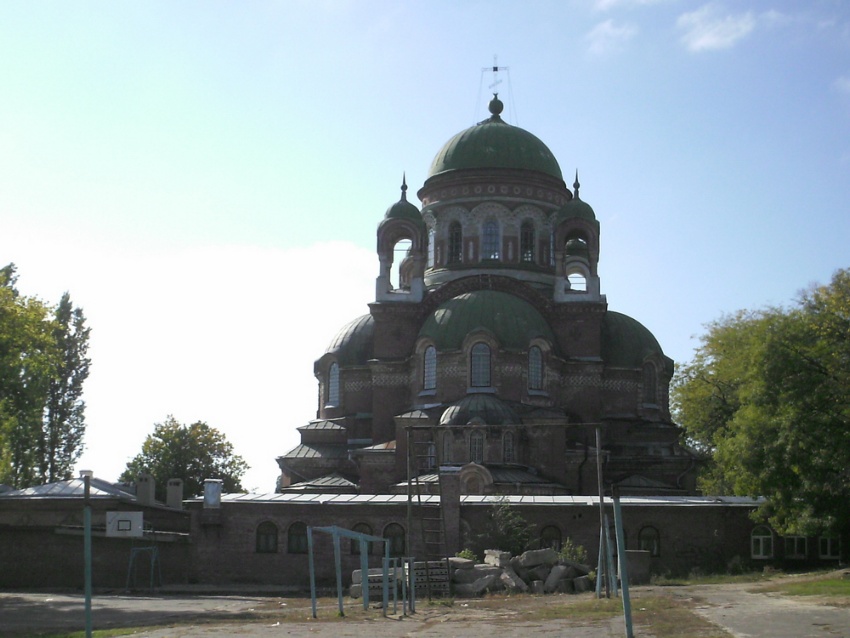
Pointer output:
x,y
429,372
491,240
296,542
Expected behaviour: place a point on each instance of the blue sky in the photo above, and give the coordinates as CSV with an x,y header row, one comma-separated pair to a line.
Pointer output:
x,y
206,178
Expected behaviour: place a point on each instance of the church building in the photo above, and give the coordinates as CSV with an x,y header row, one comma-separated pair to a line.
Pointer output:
x,y
489,349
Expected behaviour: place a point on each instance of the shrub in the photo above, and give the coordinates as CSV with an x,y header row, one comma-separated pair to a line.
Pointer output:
x,y
468,554
573,552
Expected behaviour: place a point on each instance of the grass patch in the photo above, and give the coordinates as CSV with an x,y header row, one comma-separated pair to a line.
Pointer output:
x,y
828,585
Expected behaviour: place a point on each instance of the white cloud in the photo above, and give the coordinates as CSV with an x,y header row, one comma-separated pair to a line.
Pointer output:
x,y
606,37
708,28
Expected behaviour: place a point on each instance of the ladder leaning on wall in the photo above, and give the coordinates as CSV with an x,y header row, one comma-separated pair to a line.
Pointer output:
x,y
424,476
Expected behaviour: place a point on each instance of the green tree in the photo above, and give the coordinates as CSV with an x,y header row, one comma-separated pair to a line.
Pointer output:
x,y
42,370
61,442
192,453
506,530
767,398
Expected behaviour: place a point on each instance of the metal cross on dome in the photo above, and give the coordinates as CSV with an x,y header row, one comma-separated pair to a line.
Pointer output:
x,y
495,70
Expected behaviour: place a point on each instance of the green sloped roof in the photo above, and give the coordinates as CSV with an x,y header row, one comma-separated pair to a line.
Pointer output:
x,y
353,344
511,320
626,343
488,408
494,143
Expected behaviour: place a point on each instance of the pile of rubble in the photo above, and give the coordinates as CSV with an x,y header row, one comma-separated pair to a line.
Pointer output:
x,y
536,571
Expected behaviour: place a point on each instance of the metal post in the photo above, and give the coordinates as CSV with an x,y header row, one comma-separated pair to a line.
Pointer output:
x,y
610,556
312,570
364,572
624,572
601,504
87,550
338,565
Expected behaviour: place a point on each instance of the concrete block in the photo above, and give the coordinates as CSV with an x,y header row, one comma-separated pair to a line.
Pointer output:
x,y
467,576
556,574
456,562
355,591
497,557
512,581
582,584
537,587
477,587
565,586
541,572
535,557
638,565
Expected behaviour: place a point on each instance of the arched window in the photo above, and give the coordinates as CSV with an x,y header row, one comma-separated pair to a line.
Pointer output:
x,y
761,540
649,540
455,255
649,383
266,538
479,376
476,447
508,451
550,536
431,248
333,385
361,528
429,369
447,448
577,282
526,242
296,539
395,534
535,368
490,244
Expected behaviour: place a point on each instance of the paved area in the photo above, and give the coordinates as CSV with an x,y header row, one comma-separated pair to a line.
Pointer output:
x,y
742,612
746,613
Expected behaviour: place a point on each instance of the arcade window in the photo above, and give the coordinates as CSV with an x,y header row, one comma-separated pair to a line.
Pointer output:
x,y
455,243
429,372
476,447
535,368
479,376
491,241
296,542
266,538
361,528
526,242
394,533
508,451
333,385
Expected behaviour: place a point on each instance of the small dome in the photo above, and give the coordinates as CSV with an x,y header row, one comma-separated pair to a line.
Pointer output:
x,y
512,321
576,207
626,343
494,143
403,209
353,344
480,408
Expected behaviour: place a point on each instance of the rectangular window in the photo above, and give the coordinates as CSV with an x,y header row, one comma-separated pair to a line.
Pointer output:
x,y
795,547
829,547
762,547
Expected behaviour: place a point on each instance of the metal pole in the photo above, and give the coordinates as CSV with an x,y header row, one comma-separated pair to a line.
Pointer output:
x,y
601,505
87,550
624,572
338,565
312,570
409,492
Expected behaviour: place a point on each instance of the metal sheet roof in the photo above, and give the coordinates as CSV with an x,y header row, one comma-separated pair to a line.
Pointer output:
x,y
72,488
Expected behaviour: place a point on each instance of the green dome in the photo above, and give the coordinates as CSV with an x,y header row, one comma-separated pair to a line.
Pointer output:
x,y
403,209
575,208
626,343
353,344
511,320
494,143
486,407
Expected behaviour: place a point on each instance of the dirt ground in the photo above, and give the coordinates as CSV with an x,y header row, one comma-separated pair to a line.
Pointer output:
x,y
736,610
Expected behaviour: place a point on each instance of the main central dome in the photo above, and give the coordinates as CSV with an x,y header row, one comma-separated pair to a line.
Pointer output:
x,y
494,143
